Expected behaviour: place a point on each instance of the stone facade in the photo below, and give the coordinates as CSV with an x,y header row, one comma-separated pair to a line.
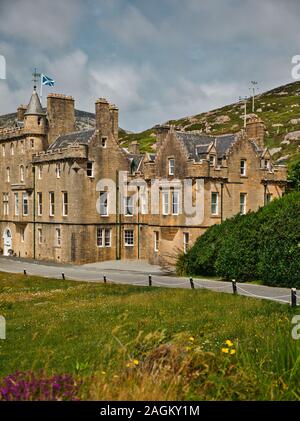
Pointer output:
x,y
63,196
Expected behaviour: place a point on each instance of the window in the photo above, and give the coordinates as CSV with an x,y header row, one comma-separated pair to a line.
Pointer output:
x,y
90,169
57,170
266,164
25,203
128,238
104,203
211,159
268,198
65,203
143,204
186,240
22,173
243,168
175,202
214,203
156,241
40,172
57,237
3,150
22,147
40,203
8,174
171,166
32,143
128,205
16,195
243,198
103,237
40,235
51,203
5,203
22,234
104,142
12,151
165,203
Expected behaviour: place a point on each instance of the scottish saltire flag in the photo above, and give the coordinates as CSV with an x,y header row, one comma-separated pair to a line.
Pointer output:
x,y
46,80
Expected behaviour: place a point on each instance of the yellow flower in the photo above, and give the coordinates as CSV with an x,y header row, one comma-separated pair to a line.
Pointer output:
x,y
128,365
136,362
116,376
188,348
103,372
232,351
228,342
191,338
225,350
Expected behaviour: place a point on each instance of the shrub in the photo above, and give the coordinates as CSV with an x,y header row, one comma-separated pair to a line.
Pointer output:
x,y
261,245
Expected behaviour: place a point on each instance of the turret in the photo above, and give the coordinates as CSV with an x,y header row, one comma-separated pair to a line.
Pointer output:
x,y
34,117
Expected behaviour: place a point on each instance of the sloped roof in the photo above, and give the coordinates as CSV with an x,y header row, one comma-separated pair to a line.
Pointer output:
x,y
82,137
34,106
197,142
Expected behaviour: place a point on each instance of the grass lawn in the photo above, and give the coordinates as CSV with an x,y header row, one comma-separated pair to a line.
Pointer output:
x,y
127,342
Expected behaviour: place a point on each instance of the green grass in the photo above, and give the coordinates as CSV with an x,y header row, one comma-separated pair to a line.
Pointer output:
x,y
93,329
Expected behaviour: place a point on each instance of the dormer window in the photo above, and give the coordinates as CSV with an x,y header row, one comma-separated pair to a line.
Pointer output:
x,y
171,166
243,167
266,164
211,160
104,142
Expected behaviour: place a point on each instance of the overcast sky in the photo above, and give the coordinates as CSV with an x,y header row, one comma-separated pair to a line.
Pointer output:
x,y
155,59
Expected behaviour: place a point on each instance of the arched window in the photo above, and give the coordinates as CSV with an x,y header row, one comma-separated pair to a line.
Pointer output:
x,y
21,173
8,174
12,152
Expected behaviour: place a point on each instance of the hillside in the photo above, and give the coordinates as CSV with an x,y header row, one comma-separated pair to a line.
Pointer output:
x,y
278,108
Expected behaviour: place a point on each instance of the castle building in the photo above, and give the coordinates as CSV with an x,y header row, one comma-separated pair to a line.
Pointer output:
x,y
79,196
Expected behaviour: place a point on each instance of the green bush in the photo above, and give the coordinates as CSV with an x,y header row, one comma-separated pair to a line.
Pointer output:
x,y
262,245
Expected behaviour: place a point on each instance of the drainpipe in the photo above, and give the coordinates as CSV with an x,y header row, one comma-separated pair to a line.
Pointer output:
x,y
34,245
222,190
117,215
138,221
265,194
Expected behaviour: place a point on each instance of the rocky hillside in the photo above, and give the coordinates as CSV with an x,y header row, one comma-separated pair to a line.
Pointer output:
x,y
278,108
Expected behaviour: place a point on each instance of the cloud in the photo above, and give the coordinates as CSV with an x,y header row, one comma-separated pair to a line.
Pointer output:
x,y
46,24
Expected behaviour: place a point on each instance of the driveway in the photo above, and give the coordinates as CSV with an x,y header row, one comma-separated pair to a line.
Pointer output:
x,y
137,273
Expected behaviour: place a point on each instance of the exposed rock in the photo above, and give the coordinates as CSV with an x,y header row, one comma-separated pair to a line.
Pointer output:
x,y
295,121
285,142
273,151
292,135
221,119
259,110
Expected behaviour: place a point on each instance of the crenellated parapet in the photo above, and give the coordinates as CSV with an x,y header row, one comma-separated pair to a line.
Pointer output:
x,y
70,152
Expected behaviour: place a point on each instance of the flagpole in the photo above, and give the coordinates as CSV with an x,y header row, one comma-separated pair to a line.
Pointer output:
x,y
41,90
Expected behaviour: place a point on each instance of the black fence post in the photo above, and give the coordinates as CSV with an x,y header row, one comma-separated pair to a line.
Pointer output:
x,y
293,297
63,276
24,271
150,281
192,283
104,279
234,288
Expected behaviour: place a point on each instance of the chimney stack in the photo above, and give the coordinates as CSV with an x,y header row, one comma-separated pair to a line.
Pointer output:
x,y
114,112
61,115
255,129
20,112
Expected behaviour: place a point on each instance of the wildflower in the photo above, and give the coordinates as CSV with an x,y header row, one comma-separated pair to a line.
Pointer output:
x,y
229,343
191,339
232,351
116,376
188,348
225,350
103,372
136,362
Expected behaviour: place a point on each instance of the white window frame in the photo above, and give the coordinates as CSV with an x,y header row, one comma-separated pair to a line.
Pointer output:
x,y
22,173
171,166
16,200
65,203
186,241
90,169
175,203
40,203
214,204
243,203
165,196
40,235
5,204
243,167
51,203
25,204
103,200
129,238
128,205
58,237
57,170
156,241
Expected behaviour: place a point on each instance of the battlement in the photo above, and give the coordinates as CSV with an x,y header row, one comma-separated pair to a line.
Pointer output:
x,y
9,133
60,96
70,152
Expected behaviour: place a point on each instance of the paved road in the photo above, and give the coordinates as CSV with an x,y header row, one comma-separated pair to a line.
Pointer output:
x,y
136,273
